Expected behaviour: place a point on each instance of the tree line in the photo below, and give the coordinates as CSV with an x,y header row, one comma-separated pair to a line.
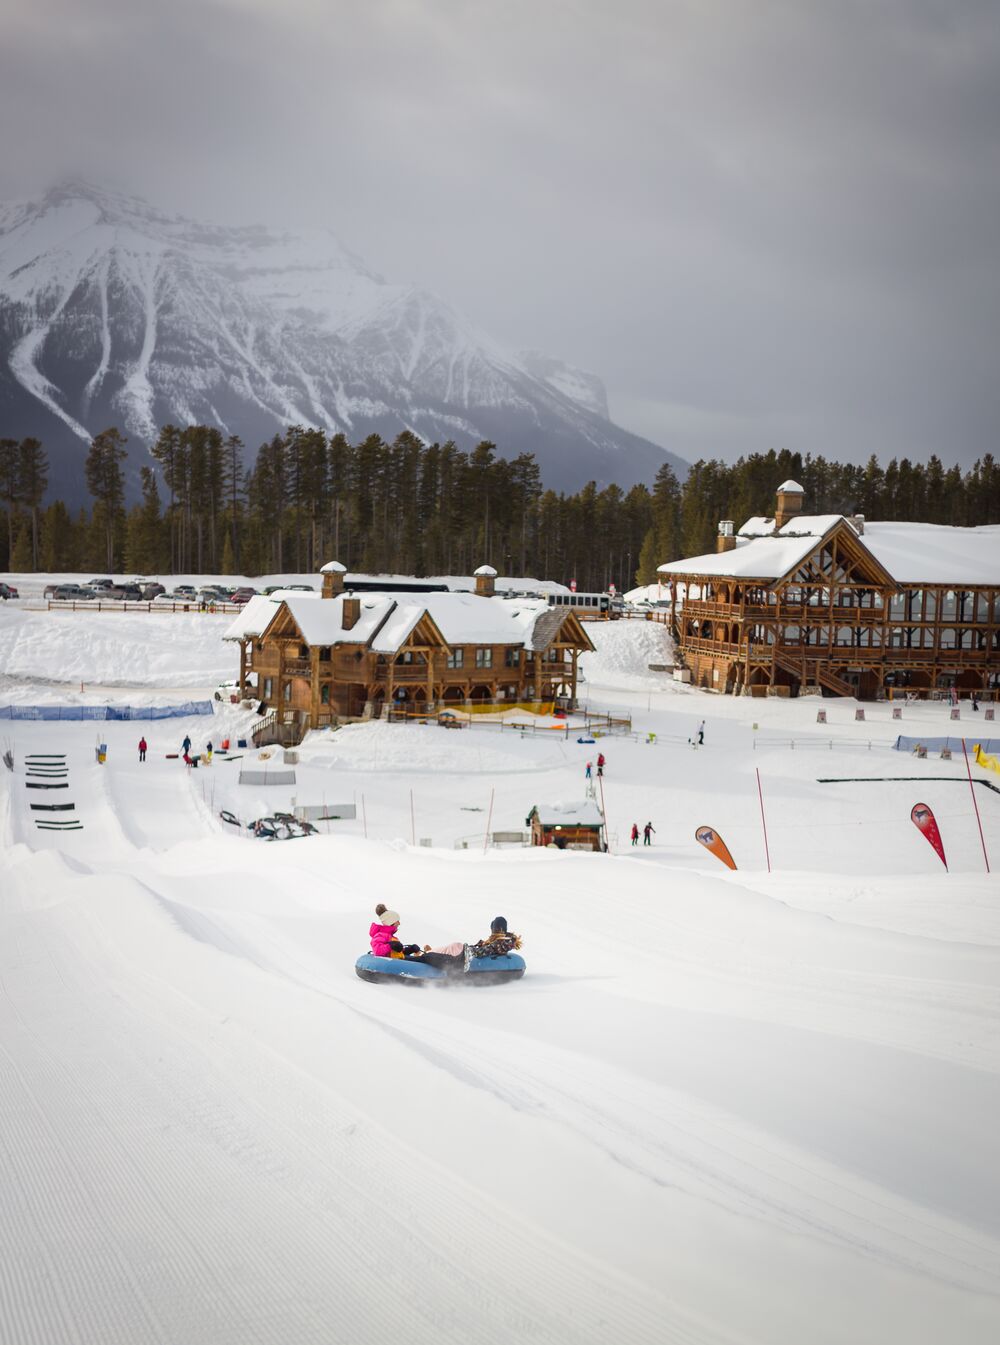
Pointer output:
x,y
407,507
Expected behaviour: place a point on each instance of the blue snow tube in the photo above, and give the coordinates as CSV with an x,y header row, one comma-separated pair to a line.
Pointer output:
x,y
404,970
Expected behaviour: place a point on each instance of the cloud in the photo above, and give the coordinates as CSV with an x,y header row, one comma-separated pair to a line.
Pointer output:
x,y
783,215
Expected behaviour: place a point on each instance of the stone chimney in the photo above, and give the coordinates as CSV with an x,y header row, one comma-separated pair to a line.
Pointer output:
x,y
790,495
333,578
726,540
859,524
350,612
486,581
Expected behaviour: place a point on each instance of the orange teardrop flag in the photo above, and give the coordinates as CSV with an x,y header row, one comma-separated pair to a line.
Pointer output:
x,y
711,840
922,818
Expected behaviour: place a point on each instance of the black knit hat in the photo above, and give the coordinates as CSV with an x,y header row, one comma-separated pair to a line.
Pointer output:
x,y
499,925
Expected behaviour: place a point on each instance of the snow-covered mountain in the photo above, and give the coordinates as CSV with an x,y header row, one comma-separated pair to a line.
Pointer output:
x,y
113,313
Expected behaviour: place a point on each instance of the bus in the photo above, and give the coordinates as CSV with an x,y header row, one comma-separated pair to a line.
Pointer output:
x,y
601,605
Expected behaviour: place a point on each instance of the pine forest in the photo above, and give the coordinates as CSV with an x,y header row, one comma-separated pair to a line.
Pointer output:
x,y
407,507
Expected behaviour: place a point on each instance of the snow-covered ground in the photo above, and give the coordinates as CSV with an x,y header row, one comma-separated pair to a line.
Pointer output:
x,y
720,1107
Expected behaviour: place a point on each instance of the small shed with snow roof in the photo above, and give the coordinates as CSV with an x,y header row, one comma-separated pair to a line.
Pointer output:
x,y
578,826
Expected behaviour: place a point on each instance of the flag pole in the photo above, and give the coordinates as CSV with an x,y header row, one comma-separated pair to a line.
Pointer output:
x,y
979,820
763,822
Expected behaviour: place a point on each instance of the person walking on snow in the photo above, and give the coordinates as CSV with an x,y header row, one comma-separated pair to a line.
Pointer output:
x,y
142,749
701,734
588,773
635,833
647,831
600,763
186,744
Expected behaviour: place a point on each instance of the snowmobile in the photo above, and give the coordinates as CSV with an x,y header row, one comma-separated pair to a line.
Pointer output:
x,y
407,971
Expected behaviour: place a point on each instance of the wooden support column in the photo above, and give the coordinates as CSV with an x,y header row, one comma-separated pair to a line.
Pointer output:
x,y
314,686
279,690
243,668
575,656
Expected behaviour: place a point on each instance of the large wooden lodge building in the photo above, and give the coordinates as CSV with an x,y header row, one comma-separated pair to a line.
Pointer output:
x,y
317,659
836,604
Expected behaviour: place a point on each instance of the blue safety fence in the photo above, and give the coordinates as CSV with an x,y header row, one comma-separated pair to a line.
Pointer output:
x,y
935,744
71,712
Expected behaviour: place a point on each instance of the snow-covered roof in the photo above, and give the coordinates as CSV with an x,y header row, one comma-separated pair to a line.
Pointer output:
x,y
321,620
254,617
760,558
585,813
913,553
386,621
486,570
333,567
930,553
791,487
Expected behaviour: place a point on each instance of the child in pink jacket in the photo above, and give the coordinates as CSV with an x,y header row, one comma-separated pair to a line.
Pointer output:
x,y
383,935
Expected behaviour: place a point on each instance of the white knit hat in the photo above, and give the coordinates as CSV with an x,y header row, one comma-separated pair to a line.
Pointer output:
x,y
389,918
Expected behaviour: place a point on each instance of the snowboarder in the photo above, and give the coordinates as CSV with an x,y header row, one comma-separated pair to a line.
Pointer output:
x,y
635,833
600,763
701,733
142,749
647,831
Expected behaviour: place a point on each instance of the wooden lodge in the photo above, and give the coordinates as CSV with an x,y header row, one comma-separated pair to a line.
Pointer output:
x,y
320,659
840,605
568,826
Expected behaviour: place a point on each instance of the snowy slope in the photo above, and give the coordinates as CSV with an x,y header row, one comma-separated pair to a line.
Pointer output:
x,y
114,313
721,1108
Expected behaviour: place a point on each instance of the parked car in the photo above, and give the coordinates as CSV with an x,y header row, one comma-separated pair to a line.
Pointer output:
x,y
301,588
73,593
8,591
243,595
227,691
151,591
101,583
187,589
125,593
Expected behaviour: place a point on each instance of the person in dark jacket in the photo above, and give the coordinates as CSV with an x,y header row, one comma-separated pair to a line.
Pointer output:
x,y
499,943
647,831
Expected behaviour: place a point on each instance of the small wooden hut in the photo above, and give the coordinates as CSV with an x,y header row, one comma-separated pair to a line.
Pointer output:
x,y
577,826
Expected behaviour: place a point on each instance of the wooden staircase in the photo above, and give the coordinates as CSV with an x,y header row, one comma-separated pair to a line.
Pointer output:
x,y
834,683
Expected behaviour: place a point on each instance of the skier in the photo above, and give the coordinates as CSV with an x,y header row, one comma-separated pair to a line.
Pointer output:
x,y
600,763
701,733
142,748
635,833
647,831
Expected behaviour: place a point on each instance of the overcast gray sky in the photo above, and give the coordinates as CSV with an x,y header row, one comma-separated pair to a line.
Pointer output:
x,y
764,223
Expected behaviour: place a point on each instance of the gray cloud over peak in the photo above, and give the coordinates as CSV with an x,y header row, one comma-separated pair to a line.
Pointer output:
x,y
764,223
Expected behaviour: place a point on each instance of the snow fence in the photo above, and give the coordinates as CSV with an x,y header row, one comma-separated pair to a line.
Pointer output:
x,y
68,712
936,744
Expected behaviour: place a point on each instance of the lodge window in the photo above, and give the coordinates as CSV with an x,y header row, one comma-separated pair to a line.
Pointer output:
x,y
324,654
324,694
267,688
303,651
456,659
484,658
286,692
512,658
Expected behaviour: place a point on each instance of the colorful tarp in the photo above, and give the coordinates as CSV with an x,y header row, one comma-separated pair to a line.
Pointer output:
x,y
76,712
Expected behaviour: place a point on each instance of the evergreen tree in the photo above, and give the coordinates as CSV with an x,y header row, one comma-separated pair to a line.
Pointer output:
x,y
21,561
106,483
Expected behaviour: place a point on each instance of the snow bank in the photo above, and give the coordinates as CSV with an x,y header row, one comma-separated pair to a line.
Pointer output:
x,y
115,648
624,650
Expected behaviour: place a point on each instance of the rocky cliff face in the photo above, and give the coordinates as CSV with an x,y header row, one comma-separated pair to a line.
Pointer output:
x,y
114,313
